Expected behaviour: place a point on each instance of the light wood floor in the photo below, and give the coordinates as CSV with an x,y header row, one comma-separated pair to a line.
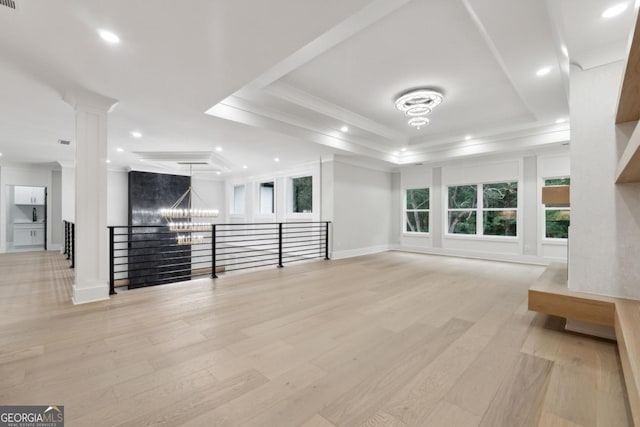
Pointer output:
x,y
392,339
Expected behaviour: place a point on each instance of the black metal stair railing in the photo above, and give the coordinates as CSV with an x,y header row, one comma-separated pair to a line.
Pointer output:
x,y
151,255
70,242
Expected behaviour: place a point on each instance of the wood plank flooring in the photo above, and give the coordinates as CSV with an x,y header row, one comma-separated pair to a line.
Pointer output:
x,y
392,339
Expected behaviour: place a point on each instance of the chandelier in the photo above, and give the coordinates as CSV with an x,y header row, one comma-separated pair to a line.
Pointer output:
x,y
187,225
418,104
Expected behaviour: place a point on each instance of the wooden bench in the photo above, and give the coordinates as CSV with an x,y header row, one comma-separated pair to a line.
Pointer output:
x,y
550,295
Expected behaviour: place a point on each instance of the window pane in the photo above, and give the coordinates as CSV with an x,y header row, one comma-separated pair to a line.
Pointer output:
x,y
302,194
557,181
500,223
463,197
557,223
266,198
418,198
462,222
417,222
502,195
238,199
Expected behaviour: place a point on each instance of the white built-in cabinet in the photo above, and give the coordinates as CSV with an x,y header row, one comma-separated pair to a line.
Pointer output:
x,y
28,195
28,234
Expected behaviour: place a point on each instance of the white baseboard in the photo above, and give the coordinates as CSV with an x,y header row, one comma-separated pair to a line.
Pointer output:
x,y
523,259
90,292
359,252
590,329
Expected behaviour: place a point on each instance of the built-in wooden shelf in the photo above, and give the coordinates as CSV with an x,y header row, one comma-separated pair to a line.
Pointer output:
x,y
628,170
556,195
629,165
629,100
550,295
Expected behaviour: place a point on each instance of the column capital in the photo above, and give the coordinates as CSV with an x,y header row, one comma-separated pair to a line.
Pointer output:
x,y
80,97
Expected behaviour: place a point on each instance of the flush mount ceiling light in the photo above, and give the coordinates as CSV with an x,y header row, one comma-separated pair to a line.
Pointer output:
x,y
614,10
417,104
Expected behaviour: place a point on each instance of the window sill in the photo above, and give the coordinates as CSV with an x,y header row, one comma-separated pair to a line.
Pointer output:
x,y
416,234
507,239
554,242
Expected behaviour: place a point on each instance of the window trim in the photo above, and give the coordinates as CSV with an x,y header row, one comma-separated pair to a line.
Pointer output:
x,y
405,210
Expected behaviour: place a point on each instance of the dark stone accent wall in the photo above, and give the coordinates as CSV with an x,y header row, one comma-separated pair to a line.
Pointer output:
x,y
150,252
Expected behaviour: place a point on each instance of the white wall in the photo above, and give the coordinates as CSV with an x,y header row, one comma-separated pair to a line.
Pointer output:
x,y
212,196
35,176
55,197
68,183
117,198
527,169
363,210
605,217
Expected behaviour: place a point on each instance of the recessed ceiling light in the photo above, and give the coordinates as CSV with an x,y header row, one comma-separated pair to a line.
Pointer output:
x,y
403,149
136,134
0,154
108,161
276,159
142,160
109,37
560,121
344,128
218,149
614,10
244,166
120,150
468,137
218,172
543,71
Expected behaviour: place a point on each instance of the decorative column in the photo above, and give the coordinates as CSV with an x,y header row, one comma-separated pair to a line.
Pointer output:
x,y
91,246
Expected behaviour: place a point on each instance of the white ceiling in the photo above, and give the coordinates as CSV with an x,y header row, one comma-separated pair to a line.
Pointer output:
x,y
280,78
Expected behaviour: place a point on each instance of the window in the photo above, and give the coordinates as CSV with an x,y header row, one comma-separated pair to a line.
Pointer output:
x,y
557,218
490,208
238,199
417,210
500,209
267,198
463,202
302,193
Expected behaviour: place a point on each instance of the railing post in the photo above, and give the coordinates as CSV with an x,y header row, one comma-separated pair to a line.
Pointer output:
x,y
213,252
112,283
67,230
280,245
73,245
326,240
64,224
